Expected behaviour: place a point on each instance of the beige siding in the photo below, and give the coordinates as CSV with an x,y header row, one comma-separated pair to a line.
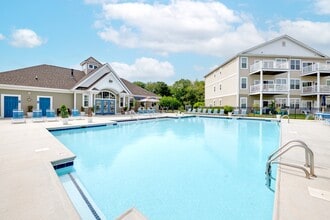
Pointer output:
x,y
222,84
30,98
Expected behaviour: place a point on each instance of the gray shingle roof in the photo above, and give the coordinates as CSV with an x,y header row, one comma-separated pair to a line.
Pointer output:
x,y
45,76
48,76
137,90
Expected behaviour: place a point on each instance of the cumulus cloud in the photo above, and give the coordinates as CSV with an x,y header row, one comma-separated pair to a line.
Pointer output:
x,y
314,34
144,69
2,36
322,7
25,38
179,26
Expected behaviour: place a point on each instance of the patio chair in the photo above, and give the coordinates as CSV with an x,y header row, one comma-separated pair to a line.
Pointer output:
x,y
209,111
50,115
222,111
37,116
236,112
215,111
18,116
204,111
75,114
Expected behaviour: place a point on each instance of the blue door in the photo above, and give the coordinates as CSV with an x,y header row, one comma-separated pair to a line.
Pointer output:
x,y
104,106
44,104
10,103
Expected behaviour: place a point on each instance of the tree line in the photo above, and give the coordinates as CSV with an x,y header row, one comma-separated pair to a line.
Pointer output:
x,y
181,94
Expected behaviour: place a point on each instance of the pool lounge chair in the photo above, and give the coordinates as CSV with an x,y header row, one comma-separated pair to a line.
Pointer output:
x,y
222,111
209,111
215,111
37,116
75,114
18,116
204,111
236,112
50,115
243,112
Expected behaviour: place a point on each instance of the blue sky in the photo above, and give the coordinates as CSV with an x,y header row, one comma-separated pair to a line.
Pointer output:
x,y
152,40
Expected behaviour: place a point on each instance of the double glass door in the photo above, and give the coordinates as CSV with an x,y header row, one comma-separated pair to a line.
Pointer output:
x,y
105,106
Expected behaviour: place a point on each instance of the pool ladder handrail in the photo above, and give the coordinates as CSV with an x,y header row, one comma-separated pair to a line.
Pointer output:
x,y
286,116
309,159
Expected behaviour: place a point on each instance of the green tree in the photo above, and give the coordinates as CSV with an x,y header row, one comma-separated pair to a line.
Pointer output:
x,y
169,103
188,92
141,84
159,88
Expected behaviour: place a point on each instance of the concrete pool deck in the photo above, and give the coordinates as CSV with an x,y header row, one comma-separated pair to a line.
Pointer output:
x,y
30,188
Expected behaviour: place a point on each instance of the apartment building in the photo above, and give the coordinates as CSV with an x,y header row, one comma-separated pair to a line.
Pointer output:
x,y
283,70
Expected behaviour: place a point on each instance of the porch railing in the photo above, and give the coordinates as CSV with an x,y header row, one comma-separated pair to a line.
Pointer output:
x,y
316,67
269,65
269,88
313,89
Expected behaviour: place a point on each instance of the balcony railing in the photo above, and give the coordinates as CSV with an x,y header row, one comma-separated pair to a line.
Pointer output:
x,y
313,89
315,68
270,88
269,65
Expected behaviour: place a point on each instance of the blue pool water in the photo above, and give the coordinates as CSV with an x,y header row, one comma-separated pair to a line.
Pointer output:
x,y
192,168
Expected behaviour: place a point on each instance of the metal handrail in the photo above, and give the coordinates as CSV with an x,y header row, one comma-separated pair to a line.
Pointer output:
x,y
309,159
283,116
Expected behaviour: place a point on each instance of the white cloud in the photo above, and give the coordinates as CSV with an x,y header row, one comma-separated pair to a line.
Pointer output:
x,y
322,7
179,26
2,36
314,34
25,38
144,69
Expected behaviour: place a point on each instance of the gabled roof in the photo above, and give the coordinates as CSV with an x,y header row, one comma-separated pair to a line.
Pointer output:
x,y
280,38
250,50
55,77
45,76
90,59
137,90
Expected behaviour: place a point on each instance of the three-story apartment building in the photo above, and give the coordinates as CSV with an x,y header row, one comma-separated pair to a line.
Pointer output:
x,y
283,70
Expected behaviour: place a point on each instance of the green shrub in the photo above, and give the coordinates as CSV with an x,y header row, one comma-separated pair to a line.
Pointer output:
x,y
228,108
199,104
64,112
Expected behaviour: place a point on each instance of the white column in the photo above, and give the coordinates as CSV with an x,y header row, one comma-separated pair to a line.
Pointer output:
x,y
289,78
318,92
74,100
90,101
261,101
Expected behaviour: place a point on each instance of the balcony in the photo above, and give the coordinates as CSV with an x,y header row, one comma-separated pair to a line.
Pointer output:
x,y
313,69
269,89
312,90
272,66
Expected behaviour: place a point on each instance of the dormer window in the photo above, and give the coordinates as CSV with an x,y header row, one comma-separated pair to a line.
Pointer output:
x,y
91,66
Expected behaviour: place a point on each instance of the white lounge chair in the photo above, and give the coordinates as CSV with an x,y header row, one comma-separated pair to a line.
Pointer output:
x,y
18,116
222,111
37,116
50,115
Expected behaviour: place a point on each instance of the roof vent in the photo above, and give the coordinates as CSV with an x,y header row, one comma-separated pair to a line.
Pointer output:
x,y
36,78
71,73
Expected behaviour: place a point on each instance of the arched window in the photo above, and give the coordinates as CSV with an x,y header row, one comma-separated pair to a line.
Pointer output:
x,y
105,95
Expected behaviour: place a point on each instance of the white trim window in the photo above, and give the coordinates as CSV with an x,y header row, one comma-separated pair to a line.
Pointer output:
x,y
85,100
280,102
327,82
295,64
281,63
243,83
213,88
243,102
295,84
294,103
280,81
91,66
244,62
220,87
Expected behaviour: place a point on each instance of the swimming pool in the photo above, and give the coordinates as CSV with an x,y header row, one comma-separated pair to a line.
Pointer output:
x,y
189,168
